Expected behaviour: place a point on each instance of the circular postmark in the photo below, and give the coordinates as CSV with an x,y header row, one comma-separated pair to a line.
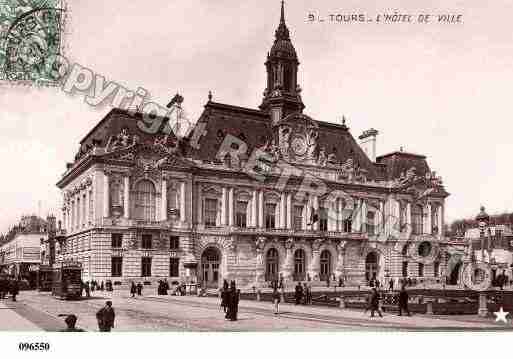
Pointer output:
x,y
477,276
32,43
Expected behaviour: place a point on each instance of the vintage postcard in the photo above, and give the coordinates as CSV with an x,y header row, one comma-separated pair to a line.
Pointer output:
x,y
276,166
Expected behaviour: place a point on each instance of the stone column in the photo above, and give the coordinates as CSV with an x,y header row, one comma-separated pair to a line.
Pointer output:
x,y
199,205
223,206
408,217
183,215
254,209
440,223
261,209
126,197
315,263
364,215
106,194
289,210
427,226
357,216
260,263
163,202
288,266
381,217
316,209
307,214
340,215
230,207
282,222
341,250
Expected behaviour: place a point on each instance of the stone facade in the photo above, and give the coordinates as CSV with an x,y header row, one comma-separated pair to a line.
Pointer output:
x,y
251,195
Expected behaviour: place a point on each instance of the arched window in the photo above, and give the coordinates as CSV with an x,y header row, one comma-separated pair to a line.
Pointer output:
x,y
325,264
272,265
145,201
299,265
417,219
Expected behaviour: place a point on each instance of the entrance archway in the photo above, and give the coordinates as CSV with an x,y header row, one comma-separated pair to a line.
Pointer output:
x,y
272,265
299,265
371,266
210,262
455,274
325,264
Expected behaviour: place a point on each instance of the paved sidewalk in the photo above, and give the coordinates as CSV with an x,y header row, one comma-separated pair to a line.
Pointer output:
x,y
11,321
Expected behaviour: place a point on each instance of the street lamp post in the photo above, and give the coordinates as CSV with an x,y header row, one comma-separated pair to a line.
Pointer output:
x,y
482,219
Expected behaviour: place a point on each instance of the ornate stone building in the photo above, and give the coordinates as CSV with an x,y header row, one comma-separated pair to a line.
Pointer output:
x,y
250,195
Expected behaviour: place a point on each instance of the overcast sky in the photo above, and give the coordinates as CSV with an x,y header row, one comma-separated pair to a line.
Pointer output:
x,y
443,90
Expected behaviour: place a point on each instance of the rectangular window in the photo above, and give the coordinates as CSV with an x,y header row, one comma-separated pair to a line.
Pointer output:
x,y
437,269
405,269
117,240
210,212
116,266
270,215
91,206
241,214
174,243
370,225
174,267
348,225
323,219
421,269
146,241
298,217
146,267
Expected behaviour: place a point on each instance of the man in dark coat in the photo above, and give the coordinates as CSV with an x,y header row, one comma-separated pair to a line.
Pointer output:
x,y
224,296
391,284
298,294
232,302
374,302
166,287
14,289
87,290
105,317
133,289
139,288
3,287
403,301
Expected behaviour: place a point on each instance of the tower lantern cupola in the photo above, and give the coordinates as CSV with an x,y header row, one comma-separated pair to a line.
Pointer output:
x,y
282,94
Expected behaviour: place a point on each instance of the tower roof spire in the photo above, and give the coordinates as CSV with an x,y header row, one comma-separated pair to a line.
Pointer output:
x,y
282,33
282,18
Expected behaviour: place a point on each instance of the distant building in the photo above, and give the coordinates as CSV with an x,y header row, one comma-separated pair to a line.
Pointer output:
x,y
495,248
20,250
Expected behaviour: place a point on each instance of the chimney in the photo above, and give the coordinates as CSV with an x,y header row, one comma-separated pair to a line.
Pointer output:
x,y
368,143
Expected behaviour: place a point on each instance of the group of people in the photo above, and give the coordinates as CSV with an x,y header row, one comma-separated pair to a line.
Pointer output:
x,y
230,297
374,302
303,294
89,287
9,286
163,287
135,289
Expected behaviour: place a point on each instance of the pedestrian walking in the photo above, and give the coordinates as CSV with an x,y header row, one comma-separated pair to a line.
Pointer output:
x,y
87,289
298,293
139,288
403,301
92,286
276,300
105,317
374,302
14,289
165,287
224,296
4,287
233,302
391,284
133,290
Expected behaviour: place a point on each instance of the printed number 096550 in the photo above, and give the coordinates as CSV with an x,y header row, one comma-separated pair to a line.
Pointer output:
x,y
34,346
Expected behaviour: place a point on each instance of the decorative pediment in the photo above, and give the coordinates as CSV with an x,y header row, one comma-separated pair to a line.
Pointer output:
x,y
420,186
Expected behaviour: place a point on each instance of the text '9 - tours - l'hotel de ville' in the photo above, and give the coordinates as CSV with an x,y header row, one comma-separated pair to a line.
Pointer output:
x,y
258,194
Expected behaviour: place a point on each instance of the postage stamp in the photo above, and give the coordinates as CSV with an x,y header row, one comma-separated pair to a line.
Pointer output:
x,y
31,37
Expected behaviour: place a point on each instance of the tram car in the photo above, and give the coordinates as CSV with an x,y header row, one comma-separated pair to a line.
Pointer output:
x,y
67,281
44,278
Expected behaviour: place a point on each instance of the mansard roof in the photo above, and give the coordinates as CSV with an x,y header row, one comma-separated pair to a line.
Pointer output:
x,y
399,163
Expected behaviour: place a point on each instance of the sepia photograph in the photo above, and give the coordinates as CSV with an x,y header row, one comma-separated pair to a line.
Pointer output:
x,y
274,167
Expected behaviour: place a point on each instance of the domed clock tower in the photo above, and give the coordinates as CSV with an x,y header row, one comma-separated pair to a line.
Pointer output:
x,y
282,94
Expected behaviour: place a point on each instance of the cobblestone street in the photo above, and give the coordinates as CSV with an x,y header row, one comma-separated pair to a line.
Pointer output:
x,y
39,311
